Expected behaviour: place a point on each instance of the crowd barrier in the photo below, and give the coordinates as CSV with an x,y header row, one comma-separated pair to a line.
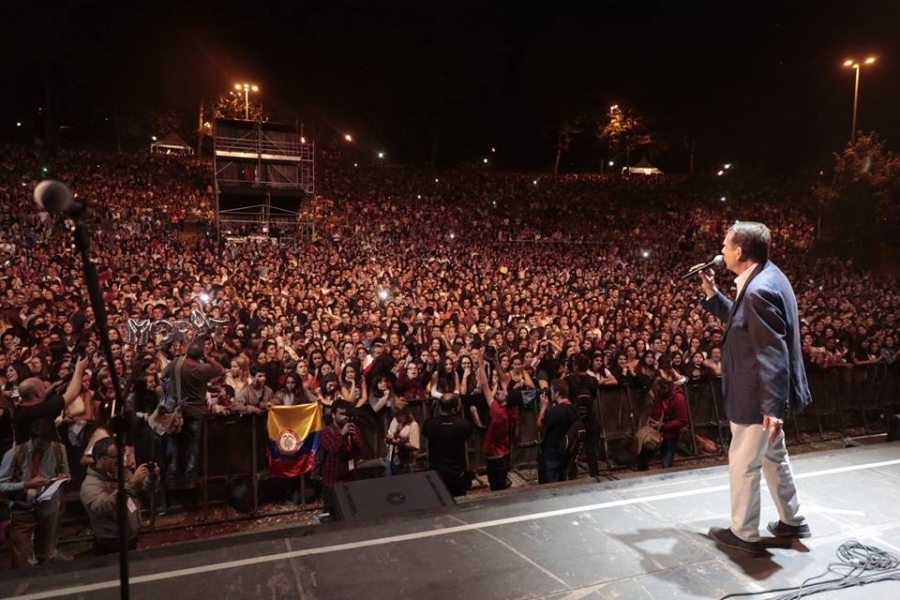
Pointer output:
x,y
844,400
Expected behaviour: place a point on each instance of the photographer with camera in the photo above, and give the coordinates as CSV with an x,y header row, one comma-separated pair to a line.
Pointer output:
x,y
99,496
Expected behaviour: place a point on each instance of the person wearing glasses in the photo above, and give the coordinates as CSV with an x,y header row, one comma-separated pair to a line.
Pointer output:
x,y
99,495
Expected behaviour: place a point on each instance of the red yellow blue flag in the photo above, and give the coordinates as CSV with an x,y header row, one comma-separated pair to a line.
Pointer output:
x,y
293,438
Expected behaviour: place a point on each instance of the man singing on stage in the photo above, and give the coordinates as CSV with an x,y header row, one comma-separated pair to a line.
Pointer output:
x,y
763,381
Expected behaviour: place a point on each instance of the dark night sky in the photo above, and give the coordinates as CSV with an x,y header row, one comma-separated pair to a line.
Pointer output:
x,y
754,82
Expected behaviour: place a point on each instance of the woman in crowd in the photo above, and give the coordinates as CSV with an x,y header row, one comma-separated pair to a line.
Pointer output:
x,y
119,368
77,416
402,440
599,371
496,443
104,393
16,373
697,368
678,341
631,358
307,381
238,376
677,361
353,385
316,360
411,382
444,380
668,371
101,429
621,371
520,382
714,362
376,413
646,370
382,395
510,341
693,349
329,391
290,393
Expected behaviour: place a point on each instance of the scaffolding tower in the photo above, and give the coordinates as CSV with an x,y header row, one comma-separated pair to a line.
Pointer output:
x,y
265,180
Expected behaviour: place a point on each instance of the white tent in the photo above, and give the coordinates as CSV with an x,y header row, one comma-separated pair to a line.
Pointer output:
x,y
171,144
643,167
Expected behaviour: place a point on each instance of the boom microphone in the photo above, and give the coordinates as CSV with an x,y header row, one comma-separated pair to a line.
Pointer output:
x,y
56,198
715,262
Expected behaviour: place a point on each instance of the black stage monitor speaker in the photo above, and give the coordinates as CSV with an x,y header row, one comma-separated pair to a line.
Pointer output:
x,y
894,429
390,496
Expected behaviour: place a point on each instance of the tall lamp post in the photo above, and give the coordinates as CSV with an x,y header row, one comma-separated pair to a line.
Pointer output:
x,y
612,115
247,87
856,67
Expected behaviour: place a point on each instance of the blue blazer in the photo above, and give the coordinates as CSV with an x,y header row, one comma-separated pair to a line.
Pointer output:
x,y
762,365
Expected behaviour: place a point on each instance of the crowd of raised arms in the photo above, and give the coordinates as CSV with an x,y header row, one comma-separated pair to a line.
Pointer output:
x,y
431,262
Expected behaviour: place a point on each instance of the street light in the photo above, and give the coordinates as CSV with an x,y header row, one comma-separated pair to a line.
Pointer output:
x,y
612,114
247,87
855,66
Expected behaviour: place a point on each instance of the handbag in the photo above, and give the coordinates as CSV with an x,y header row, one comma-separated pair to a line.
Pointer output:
x,y
167,417
705,445
528,396
649,436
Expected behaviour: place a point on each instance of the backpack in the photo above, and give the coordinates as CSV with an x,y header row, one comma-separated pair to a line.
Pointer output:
x,y
581,394
573,441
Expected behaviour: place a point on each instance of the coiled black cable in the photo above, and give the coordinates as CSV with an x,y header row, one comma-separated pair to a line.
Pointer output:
x,y
859,565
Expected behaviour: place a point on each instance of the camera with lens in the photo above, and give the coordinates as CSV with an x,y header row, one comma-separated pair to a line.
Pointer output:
x,y
544,395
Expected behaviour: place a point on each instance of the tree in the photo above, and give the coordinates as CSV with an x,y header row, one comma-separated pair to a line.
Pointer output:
x,y
690,144
626,131
859,205
564,135
139,121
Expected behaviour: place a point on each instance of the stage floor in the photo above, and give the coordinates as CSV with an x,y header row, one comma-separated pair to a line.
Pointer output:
x,y
641,538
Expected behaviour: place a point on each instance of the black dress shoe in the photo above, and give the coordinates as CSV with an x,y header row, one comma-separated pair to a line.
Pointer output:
x,y
783,530
725,537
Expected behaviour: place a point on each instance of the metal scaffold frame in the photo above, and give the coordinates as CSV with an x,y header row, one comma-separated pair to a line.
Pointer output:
x,y
264,180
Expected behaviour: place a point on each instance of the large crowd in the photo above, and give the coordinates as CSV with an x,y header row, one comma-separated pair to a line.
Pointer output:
x,y
426,266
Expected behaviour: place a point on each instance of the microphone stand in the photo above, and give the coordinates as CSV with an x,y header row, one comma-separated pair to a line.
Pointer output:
x,y
120,424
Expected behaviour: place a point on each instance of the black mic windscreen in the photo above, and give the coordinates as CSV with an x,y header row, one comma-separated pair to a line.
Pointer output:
x,y
53,196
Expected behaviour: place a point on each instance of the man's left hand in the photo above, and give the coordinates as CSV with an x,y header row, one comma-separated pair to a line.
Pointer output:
x,y
773,425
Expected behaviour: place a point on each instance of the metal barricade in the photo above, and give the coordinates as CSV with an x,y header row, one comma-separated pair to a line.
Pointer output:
x,y
234,447
706,411
618,418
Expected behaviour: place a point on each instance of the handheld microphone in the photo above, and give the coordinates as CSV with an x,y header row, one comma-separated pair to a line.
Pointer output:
x,y
56,198
715,262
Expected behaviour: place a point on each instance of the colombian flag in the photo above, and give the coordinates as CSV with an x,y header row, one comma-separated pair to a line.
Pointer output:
x,y
293,438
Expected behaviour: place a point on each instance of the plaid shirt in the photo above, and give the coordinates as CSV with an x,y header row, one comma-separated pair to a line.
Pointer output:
x,y
339,451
